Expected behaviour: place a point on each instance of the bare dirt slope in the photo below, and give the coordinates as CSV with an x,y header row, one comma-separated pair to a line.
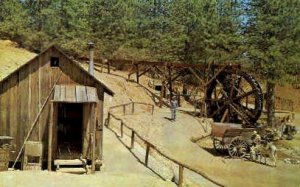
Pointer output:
x,y
12,57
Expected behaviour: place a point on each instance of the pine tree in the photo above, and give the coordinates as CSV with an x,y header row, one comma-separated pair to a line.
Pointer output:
x,y
14,20
273,38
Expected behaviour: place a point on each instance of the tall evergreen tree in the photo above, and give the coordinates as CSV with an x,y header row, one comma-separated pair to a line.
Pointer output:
x,y
273,38
14,20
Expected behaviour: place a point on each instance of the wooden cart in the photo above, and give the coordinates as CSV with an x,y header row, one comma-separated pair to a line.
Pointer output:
x,y
232,138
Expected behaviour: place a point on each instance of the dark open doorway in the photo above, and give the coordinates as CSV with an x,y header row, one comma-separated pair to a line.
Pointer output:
x,y
69,130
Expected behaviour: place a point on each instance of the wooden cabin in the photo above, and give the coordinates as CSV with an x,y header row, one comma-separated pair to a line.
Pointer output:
x,y
51,99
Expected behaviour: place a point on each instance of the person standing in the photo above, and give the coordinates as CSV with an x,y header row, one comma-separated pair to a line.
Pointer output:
x,y
173,106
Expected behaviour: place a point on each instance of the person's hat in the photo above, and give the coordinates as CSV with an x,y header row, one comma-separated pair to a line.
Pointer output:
x,y
254,132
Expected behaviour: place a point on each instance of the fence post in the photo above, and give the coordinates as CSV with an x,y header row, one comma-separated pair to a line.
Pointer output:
x,y
132,109
122,129
147,154
180,180
152,109
108,67
108,119
132,139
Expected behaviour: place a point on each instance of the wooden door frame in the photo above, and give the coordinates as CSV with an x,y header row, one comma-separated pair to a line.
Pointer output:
x,y
52,124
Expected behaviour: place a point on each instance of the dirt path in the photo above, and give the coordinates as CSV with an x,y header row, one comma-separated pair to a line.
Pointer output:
x,y
174,139
117,159
52,179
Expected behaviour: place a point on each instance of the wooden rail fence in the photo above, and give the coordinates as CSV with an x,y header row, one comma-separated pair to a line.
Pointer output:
x,y
149,145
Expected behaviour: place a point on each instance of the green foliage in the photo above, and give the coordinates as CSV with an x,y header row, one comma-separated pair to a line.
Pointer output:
x,y
273,38
264,33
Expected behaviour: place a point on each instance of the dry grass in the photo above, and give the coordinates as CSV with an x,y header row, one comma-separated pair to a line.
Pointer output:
x,y
12,57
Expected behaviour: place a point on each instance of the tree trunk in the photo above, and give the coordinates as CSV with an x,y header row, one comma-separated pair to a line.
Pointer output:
x,y
270,103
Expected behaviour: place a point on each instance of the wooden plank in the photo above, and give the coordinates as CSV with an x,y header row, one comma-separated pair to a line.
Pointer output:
x,y
93,130
50,136
72,170
14,108
99,135
24,96
34,98
91,94
73,162
86,129
62,93
70,93
56,93
81,95
46,83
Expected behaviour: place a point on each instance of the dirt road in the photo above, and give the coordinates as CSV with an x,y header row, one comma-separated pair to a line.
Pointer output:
x,y
174,139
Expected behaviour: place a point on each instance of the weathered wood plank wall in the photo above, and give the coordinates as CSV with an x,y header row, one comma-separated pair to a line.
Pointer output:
x,y
23,93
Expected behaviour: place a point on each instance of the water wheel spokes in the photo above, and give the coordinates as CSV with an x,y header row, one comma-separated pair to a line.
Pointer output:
x,y
237,94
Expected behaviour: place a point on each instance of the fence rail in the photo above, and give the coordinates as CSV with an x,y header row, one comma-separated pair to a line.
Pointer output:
x,y
150,146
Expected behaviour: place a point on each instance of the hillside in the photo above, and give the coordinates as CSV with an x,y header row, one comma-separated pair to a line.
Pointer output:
x,y
12,57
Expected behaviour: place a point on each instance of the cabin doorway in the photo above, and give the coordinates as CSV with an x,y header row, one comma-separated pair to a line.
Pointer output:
x,y
69,130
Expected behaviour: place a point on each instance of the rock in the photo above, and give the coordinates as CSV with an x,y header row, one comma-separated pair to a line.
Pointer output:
x,y
291,161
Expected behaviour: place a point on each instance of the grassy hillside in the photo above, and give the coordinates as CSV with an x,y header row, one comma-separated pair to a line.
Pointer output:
x,y
12,57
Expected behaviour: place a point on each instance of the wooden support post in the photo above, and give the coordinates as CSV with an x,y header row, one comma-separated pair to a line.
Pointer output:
x,y
170,81
132,139
178,98
137,73
108,119
152,110
50,136
204,105
93,136
180,180
132,109
161,94
122,129
147,154
224,116
108,67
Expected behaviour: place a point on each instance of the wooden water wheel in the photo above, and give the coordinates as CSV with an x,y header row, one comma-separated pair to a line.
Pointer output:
x,y
234,96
